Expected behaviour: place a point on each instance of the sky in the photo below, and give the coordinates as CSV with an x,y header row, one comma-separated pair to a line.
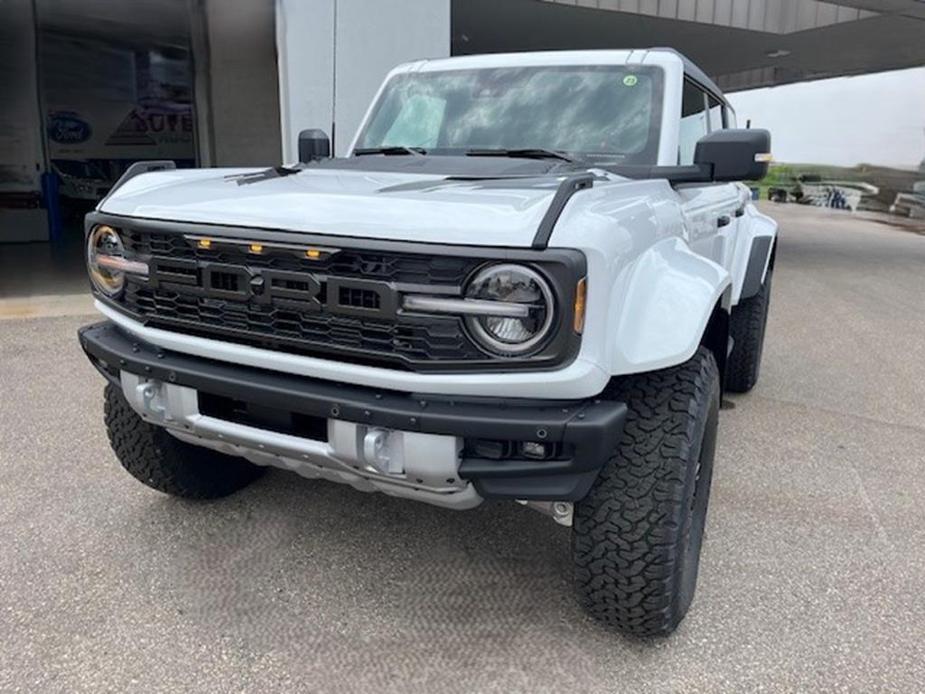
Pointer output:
x,y
871,119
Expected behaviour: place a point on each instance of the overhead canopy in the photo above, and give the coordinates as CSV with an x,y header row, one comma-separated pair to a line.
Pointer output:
x,y
742,44
136,24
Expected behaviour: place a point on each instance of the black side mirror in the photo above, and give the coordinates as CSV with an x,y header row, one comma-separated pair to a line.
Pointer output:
x,y
734,155
313,145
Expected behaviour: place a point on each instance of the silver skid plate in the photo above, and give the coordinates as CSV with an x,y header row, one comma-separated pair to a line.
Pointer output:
x,y
408,464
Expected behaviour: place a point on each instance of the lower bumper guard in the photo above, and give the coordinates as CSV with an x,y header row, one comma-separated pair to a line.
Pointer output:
x,y
403,444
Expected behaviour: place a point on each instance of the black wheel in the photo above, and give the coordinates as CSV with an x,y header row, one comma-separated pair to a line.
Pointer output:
x,y
636,537
167,464
746,327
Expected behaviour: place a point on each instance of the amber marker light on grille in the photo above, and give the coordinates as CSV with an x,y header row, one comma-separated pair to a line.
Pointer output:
x,y
581,290
256,248
204,243
313,253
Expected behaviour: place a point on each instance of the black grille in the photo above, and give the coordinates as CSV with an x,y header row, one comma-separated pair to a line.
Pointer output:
x,y
226,281
387,267
440,338
358,298
288,324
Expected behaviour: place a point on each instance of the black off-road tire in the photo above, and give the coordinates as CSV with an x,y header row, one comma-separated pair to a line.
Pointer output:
x,y
746,327
636,536
165,463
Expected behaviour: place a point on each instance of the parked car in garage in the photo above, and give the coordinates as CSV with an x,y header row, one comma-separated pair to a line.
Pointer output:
x,y
81,180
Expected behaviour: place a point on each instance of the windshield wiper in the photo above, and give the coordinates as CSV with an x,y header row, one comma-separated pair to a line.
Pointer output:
x,y
396,149
526,153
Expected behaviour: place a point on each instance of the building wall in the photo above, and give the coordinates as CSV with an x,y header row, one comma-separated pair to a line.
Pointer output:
x,y
333,55
242,122
21,153
773,16
21,157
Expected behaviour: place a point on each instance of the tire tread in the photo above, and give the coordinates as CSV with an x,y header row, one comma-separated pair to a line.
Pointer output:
x,y
629,532
165,463
747,327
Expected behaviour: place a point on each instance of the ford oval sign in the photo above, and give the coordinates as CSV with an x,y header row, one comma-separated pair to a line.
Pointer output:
x,y
67,128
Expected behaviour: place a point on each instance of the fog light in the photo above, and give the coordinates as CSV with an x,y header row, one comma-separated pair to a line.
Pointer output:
x,y
493,450
535,450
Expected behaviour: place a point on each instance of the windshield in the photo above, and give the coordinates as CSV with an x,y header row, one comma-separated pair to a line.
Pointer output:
x,y
585,111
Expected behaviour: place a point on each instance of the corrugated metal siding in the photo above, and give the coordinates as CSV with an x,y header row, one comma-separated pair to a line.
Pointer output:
x,y
771,16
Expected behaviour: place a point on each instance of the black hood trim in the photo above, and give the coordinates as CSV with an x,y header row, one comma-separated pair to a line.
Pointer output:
x,y
450,166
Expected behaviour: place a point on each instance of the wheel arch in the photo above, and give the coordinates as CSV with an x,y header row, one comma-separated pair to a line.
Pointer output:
x,y
670,302
716,338
755,253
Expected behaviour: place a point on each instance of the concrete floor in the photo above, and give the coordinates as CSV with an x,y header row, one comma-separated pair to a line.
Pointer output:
x,y
812,577
43,269
44,279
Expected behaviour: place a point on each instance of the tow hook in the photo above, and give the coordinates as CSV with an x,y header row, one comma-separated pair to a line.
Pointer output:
x,y
377,454
560,511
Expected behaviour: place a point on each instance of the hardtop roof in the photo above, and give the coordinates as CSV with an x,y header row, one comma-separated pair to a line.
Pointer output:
x,y
691,69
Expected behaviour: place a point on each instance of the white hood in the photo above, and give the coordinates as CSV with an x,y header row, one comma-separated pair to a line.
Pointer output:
x,y
381,205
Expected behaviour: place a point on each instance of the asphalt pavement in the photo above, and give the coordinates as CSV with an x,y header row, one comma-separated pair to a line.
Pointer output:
x,y
812,577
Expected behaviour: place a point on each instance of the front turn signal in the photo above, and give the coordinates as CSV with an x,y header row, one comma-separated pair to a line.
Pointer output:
x,y
581,291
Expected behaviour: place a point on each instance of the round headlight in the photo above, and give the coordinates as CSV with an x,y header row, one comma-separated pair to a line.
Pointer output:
x,y
524,314
105,241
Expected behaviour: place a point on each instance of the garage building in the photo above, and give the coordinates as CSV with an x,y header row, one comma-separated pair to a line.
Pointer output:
x,y
92,85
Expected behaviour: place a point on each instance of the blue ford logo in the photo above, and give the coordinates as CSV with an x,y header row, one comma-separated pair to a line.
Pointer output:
x,y
67,128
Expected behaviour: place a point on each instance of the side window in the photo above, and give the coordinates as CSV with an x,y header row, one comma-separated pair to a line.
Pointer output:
x,y
716,114
693,122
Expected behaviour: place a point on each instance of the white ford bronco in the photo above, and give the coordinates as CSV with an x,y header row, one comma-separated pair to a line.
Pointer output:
x,y
530,278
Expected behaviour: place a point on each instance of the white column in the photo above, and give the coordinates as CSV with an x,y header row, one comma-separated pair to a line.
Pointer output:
x,y
243,99
371,39
305,60
333,54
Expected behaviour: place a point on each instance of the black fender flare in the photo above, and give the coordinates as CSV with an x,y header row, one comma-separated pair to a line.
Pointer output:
x,y
759,259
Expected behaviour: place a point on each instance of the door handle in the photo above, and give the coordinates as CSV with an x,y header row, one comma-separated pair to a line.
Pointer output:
x,y
723,221
740,211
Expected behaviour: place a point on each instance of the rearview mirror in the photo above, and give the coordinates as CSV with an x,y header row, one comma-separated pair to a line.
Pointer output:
x,y
314,144
734,155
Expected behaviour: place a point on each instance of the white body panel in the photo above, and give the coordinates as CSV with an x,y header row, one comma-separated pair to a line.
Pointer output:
x,y
578,379
659,260
375,205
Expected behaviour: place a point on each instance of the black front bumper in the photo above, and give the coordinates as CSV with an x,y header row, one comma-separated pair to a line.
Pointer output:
x,y
588,429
